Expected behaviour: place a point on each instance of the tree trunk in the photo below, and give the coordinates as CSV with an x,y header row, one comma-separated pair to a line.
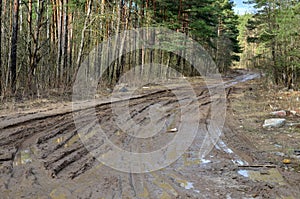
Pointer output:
x,y
59,41
64,42
70,47
1,48
14,45
34,56
85,26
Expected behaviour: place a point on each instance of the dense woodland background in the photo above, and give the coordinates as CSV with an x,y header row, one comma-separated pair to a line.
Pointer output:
x,y
271,40
43,42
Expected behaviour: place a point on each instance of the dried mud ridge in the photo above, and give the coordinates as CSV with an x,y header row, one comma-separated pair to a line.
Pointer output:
x,y
42,155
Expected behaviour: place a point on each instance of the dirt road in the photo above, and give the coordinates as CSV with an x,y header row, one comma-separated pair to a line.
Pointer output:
x,y
43,156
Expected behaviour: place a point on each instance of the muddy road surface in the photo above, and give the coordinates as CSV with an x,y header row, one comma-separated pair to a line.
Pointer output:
x,y
44,154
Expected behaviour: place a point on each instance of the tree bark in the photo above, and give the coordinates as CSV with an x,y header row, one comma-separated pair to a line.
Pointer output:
x,y
64,49
85,26
14,45
59,40
1,48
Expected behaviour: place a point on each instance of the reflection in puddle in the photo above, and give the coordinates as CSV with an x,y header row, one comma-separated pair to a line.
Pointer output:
x,y
272,176
60,140
23,157
145,193
192,158
187,185
243,173
204,161
160,182
236,159
239,162
222,145
67,143
72,141
184,183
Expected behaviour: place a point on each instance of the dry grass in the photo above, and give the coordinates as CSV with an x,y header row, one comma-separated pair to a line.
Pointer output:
x,y
254,105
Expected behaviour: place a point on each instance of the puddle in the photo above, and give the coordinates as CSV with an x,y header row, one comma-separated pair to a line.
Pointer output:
x,y
236,159
69,142
239,162
273,176
184,183
23,157
204,161
243,78
187,185
145,194
223,146
60,193
164,185
190,159
165,195
72,141
244,173
59,140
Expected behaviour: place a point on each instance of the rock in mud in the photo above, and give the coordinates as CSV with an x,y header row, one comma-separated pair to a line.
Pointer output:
x,y
274,122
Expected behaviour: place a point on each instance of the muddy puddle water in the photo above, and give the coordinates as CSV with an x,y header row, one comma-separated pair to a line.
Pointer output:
x,y
270,175
235,158
23,157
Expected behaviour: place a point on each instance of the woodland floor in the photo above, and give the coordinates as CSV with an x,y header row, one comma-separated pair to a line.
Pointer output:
x,y
42,155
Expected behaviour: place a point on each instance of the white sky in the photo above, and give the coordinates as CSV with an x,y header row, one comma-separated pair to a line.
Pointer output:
x,y
241,8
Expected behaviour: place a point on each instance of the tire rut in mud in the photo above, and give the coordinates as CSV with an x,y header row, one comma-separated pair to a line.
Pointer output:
x,y
55,143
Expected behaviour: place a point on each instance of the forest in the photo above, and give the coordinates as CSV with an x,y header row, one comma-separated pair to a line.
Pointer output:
x,y
149,99
270,40
44,42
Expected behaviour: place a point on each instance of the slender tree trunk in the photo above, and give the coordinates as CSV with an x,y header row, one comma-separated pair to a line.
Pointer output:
x,y
142,51
70,47
7,8
64,42
29,39
122,41
14,45
59,41
1,48
85,26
